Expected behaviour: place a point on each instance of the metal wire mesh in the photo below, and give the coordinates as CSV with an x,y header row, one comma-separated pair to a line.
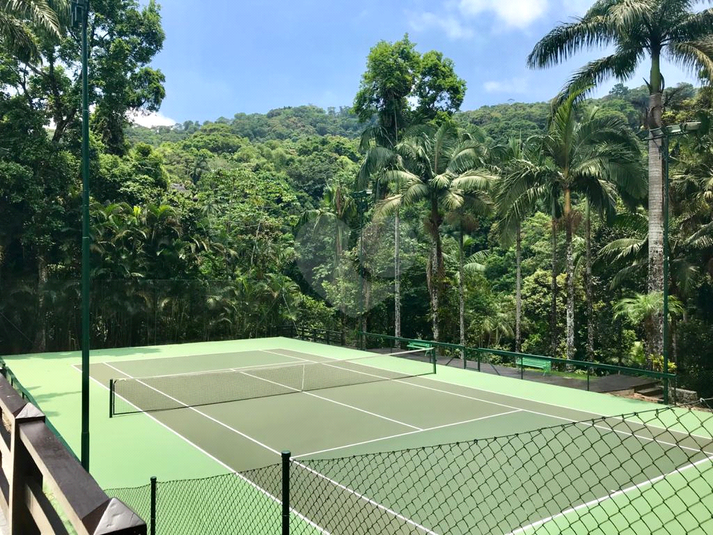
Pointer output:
x,y
648,472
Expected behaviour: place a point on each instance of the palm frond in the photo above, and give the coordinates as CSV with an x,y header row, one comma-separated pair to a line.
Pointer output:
x,y
568,39
695,56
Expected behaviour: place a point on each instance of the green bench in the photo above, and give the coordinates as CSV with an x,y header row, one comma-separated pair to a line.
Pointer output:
x,y
427,346
533,362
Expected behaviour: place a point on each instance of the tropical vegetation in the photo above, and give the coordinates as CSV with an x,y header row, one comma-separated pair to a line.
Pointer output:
x,y
399,214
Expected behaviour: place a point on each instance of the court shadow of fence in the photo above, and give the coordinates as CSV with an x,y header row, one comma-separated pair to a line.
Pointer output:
x,y
648,472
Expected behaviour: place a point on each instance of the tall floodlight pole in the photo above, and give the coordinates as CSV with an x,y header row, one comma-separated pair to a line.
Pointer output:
x,y
664,134
80,18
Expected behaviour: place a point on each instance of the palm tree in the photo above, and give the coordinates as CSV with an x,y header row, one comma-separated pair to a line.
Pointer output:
x,y
17,19
643,309
637,29
438,169
591,156
514,160
461,223
586,158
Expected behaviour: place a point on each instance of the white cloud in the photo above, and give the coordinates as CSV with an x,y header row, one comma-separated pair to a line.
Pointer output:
x,y
458,16
150,120
512,86
514,13
449,24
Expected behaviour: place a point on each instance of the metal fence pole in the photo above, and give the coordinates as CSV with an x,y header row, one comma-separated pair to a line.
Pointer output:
x,y
286,492
112,396
152,525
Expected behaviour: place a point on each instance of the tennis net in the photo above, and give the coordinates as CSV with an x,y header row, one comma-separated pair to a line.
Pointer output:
x,y
166,392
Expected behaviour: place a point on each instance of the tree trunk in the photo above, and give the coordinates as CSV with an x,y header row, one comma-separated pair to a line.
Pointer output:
x,y
518,288
397,275
589,285
437,264
656,219
40,343
554,342
461,291
569,224
432,280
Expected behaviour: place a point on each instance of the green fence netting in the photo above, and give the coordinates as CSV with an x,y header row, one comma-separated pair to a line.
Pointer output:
x,y
648,472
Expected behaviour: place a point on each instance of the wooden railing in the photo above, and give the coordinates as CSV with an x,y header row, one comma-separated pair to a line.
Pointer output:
x,y
41,482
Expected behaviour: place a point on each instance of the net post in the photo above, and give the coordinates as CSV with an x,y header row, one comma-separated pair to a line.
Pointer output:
x,y
465,358
286,492
522,367
152,527
433,358
480,357
112,396
589,371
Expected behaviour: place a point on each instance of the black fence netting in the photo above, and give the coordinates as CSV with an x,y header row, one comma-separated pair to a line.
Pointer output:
x,y
648,472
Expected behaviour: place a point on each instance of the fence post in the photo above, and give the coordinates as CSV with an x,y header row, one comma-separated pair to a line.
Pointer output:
x,y
152,525
112,396
286,492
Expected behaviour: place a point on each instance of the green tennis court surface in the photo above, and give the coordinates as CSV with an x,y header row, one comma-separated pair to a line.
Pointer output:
x,y
380,444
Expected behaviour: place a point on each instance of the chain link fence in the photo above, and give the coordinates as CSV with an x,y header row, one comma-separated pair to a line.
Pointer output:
x,y
647,472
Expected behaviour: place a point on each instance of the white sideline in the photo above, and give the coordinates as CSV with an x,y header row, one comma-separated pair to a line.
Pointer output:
x,y
212,457
311,394
215,420
453,424
548,415
610,496
367,499
372,502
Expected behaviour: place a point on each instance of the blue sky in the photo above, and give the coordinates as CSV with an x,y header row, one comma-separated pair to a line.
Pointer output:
x,y
222,57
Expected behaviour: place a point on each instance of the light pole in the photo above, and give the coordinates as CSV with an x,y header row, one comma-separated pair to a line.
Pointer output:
x,y
664,134
80,19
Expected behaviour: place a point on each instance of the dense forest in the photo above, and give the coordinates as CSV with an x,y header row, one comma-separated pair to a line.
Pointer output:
x,y
523,226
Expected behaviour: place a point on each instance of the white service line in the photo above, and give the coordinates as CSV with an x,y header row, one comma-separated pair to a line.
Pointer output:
x,y
367,499
311,394
221,463
279,453
610,496
215,420
432,378
548,415
453,424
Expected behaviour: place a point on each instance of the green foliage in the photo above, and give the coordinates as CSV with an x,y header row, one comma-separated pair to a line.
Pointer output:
x,y
196,227
397,74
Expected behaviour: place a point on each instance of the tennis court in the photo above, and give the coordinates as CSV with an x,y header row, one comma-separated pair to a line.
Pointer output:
x,y
382,444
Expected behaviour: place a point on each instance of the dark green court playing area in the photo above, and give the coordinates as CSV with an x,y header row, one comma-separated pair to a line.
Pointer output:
x,y
380,443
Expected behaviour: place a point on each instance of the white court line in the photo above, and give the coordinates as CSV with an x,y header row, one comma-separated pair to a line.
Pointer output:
x,y
215,420
431,378
453,424
367,499
401,517
197,355
311,394
221,463
610,496
548,415
216,371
